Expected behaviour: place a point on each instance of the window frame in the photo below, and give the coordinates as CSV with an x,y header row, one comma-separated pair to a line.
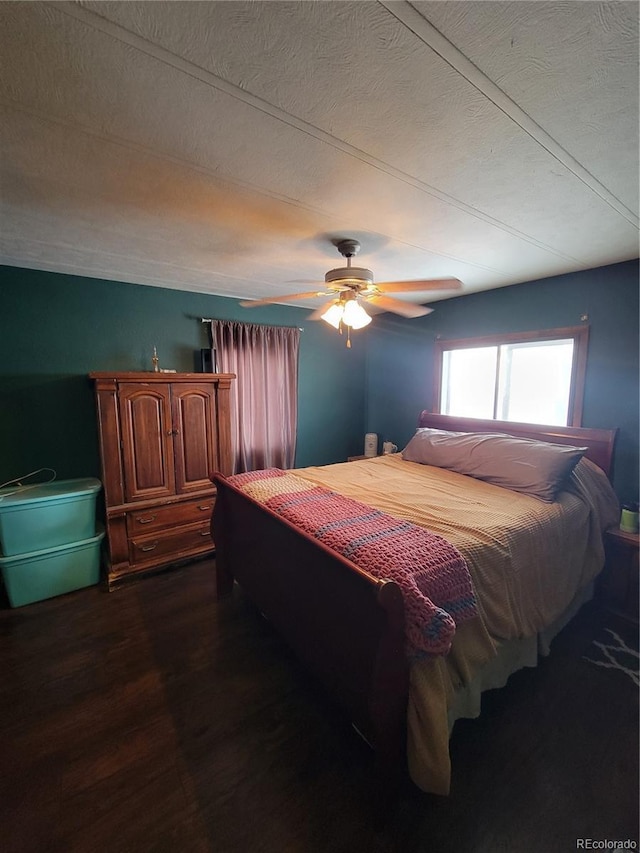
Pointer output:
x,y
579,335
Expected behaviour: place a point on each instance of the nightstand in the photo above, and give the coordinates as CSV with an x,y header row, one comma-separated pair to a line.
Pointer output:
x,y
619,579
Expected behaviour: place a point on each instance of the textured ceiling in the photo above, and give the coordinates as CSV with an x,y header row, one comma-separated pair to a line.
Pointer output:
x,y
217,146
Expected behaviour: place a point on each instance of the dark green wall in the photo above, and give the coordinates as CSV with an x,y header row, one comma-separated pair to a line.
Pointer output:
x,y
55,329
400,352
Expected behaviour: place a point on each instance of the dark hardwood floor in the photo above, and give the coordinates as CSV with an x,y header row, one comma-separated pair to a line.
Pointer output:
x,y
157,719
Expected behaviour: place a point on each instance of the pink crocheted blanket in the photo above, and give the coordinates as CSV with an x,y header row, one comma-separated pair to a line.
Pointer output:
x,y
432,575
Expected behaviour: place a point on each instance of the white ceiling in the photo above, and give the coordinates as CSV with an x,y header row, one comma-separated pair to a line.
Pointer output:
x,y
217,146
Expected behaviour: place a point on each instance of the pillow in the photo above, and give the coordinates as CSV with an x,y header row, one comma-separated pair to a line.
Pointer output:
x,y
534,468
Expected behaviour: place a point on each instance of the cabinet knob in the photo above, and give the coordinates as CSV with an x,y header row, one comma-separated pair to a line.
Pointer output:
x,y
172,432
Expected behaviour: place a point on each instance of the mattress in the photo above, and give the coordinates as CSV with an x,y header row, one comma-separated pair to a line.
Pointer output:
x,y
530,562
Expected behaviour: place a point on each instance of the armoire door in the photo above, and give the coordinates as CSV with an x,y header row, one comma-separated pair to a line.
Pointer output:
x,y
147,437
195,439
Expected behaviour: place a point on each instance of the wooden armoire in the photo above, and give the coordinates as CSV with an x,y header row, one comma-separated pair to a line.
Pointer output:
x,y
161,437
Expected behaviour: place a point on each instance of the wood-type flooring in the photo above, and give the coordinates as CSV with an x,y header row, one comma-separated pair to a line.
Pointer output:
x,y
156,718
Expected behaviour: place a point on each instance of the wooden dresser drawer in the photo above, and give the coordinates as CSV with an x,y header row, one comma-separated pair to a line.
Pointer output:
x,y
145,521
170,545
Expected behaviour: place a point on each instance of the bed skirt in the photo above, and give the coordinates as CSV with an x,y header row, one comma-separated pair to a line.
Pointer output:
x,y
432,699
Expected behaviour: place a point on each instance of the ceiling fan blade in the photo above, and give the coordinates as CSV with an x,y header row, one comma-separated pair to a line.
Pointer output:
x,y
420,284
397,306
253,303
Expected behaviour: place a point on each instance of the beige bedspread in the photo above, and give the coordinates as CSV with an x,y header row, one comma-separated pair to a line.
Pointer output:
x,y
528,559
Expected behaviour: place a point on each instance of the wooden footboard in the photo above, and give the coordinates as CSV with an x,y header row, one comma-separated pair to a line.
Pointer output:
x,y
346,626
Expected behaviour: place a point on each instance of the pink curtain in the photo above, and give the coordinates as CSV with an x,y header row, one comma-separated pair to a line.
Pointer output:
x,y
264,397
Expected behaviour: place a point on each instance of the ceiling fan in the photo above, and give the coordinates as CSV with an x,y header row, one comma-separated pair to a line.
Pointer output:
x,y
351,286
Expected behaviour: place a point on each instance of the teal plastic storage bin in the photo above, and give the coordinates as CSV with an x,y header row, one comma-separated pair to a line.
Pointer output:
x,y
52,571
36,517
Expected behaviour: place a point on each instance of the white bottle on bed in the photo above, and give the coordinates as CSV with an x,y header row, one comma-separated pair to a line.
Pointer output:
x,y
371,444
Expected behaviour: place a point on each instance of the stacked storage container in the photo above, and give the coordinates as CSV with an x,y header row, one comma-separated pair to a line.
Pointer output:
x,y
49,544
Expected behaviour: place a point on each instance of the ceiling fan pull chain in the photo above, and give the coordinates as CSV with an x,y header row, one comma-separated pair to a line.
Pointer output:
x,y
348,337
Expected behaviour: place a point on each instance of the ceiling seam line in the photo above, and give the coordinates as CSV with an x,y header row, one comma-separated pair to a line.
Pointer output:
x,y
410,17
189,165
165,56
150,152
73,269
105,253
118,255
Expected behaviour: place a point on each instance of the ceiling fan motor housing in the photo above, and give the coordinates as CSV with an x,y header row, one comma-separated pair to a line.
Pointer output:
x,y
348,247
350,275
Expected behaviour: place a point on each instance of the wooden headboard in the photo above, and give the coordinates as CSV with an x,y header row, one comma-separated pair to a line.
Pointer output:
x,y
599,442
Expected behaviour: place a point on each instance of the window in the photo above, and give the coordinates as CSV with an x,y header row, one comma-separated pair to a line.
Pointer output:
x,y
529,377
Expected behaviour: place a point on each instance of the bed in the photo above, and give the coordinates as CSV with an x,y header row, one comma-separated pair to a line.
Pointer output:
x,y
351,627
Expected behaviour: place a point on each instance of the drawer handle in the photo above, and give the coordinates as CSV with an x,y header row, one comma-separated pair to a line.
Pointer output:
x,y
142,520
204,508
206,533
148,547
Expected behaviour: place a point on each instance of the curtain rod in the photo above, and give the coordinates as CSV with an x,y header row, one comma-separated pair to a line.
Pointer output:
x,y
209,320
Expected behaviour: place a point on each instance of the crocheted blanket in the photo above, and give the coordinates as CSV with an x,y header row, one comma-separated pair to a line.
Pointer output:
x,y
432,575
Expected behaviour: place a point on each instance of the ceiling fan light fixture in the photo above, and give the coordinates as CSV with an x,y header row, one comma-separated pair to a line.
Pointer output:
x,y
333,315
354,315
348,312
